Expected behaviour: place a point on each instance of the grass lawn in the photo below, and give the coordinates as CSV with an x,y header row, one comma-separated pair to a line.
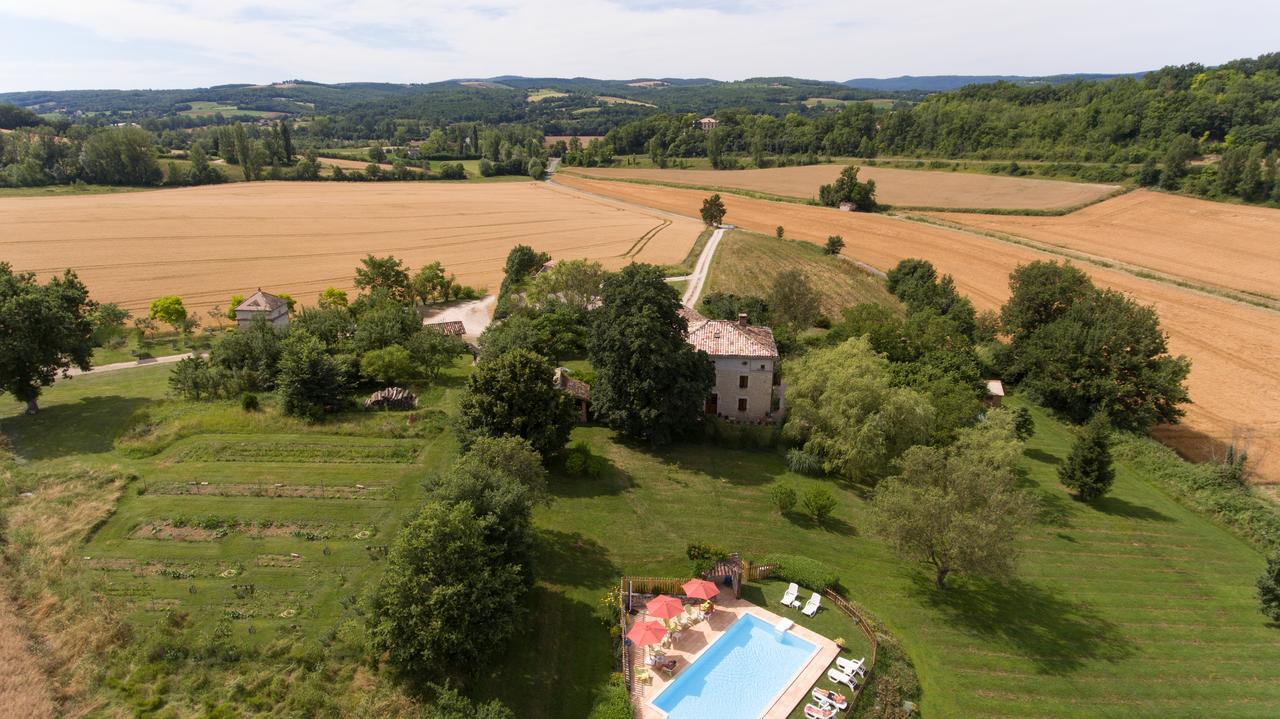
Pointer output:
x,y
205,108
1135,607
747,262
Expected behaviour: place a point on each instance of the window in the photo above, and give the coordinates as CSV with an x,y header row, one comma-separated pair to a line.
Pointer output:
x,y
761,365
742,404
742,382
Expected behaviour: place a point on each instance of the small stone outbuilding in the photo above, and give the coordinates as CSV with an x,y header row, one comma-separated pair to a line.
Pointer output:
x,y
577,389
273,309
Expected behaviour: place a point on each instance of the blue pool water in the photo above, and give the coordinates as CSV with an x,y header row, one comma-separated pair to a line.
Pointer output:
x,y
738,676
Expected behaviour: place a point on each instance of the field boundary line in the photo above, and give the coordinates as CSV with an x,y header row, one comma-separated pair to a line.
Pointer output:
x,y
1260,301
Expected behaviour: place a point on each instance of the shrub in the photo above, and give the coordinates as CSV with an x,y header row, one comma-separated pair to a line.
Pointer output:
x,y
580,462
818,503
249,402
784,498
801,462
613,702
1088,472
806,572
704,556
1269,588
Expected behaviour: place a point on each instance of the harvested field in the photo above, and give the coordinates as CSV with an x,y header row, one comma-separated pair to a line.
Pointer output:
x,y
1234,348
1210,243
910,188
208,243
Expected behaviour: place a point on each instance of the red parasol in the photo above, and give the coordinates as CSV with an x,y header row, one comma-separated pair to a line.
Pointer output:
x,y
701,589
664,607
647,632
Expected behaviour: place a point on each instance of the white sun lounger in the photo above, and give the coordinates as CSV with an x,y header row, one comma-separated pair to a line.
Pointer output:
x,y
847,666
839,677
789,598
811,607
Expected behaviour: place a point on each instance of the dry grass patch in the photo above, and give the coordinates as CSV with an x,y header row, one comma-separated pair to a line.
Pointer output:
x,y
746,263
911,188
208,243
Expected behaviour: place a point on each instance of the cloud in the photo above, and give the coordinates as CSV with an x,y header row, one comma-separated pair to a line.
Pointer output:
x,y
174,43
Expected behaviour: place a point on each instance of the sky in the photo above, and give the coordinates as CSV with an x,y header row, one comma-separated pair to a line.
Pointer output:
x,y
128,44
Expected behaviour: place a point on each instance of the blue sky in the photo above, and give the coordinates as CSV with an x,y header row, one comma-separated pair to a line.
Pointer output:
x,y
67,44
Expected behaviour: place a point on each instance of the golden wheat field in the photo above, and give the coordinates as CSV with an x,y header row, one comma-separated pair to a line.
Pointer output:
x,y
1212,243
205,244
908,188
1234,347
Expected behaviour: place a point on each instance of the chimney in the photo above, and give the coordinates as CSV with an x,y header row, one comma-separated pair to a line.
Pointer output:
x,y
742,319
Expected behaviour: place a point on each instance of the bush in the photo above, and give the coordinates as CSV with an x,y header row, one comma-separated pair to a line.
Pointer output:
x,y
704,556
249,402
1269,588
818,503
1201,486
801,462
580,462
784,498
613,702
803,571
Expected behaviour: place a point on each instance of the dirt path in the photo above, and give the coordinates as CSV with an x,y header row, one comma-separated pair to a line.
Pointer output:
x,y
1234,348
693,290
475,315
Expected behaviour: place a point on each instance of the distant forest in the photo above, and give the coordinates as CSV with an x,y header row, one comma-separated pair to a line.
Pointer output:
x,y
1095,129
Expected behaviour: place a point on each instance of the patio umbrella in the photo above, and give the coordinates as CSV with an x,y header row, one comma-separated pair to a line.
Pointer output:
x,y
664,607
701,589
646,632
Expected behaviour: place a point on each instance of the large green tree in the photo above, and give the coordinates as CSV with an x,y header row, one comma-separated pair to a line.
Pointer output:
x,y
713,211
47,329
958,508
1107,354
651,384
845,410
513,394
1039,293
310,381
446,600
793,300
386,274
121,156
847,188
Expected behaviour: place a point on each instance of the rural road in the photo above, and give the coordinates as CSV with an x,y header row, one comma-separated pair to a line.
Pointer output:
x,y
699,277
167,359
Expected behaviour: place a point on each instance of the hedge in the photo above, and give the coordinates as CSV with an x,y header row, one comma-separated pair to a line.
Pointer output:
x,y
1204,488
803,571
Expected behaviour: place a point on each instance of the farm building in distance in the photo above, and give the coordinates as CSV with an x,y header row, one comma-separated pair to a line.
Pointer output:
x,y
708,124
273,309
748,387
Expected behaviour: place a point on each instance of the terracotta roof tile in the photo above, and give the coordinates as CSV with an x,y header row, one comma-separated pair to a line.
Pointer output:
x,y
726,338
261,302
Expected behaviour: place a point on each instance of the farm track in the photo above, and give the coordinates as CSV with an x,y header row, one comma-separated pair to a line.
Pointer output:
x,y
1234,348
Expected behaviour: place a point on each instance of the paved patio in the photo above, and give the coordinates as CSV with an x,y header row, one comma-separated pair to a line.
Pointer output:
x,y
696,639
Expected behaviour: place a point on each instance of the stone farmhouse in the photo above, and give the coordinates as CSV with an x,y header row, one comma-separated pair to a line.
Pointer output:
x,y
748,387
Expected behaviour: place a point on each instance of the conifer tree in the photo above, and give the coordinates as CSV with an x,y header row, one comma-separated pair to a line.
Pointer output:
x,y
1088,473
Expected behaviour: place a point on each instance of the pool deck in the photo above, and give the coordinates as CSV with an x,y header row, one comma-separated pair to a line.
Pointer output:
x,y
696,639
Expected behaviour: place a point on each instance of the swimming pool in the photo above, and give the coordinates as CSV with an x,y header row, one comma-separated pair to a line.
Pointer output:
x,y
740,675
